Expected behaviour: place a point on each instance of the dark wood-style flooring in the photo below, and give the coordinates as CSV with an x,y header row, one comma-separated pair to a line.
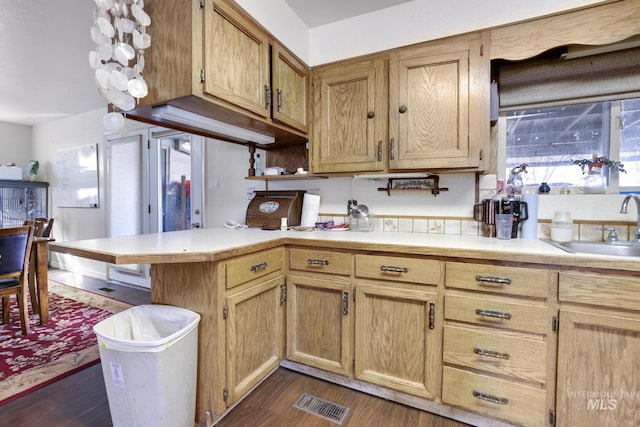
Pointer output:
x,y
80,400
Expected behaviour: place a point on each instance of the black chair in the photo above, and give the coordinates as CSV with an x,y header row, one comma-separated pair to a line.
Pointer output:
x,y
15,250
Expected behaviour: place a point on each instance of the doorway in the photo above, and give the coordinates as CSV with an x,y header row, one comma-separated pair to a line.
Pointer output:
x,y
154,185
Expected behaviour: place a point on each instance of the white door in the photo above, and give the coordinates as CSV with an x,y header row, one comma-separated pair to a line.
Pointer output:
x,y
154,184
176,169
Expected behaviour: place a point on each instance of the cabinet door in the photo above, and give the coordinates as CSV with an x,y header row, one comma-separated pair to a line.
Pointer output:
x,y
236,59
397,344
433,91
289,89
598,367
350,117
319,323
255,336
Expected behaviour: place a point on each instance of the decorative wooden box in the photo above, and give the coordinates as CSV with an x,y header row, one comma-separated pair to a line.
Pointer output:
x,y
267,208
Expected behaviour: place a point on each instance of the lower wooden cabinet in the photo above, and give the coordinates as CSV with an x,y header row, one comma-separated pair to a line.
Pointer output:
x,y
255,334
319,323
519,403
398,327
598,365
499,343
388,333
397,342
499,352
599,350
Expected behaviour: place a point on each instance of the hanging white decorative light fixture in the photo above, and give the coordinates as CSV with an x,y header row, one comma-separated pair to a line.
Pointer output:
x,y
120,37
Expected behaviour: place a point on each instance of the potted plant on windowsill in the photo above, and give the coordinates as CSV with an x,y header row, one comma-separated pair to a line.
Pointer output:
x,y
599,162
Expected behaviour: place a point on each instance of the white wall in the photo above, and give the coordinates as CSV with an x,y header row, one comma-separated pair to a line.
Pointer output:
x,y
228,164
278,18
15,144
72,223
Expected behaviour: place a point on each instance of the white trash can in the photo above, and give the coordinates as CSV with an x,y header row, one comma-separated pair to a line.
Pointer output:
x,y
149,356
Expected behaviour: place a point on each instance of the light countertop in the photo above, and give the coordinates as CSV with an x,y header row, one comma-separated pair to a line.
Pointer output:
x,y
211,244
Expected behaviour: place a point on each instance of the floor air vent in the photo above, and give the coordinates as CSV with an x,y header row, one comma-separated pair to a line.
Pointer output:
x,y
322,408
105,289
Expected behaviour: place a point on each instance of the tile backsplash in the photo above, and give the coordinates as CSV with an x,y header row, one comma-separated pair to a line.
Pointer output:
x,y
582,230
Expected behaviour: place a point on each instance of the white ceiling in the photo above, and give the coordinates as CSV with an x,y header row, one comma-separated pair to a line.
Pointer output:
x,y
44,47
315,13
44,70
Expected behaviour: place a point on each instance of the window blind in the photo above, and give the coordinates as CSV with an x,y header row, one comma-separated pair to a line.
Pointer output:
x,y
554,81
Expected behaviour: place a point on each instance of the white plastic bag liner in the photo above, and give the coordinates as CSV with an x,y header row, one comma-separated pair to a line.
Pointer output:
x,y
151,327
149,357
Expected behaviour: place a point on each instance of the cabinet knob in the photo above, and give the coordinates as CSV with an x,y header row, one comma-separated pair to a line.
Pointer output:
x,y
371,115
402,109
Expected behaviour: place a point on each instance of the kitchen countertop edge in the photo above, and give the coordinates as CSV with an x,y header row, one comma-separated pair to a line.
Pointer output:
x,y
214,244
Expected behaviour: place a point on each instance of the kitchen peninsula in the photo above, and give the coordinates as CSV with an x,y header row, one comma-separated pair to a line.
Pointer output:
x,y
468,327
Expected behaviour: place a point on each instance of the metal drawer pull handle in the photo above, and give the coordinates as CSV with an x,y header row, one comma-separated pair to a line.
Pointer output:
x,y
493,279
312,261
490,398
393,269
257,267
493,313
491,353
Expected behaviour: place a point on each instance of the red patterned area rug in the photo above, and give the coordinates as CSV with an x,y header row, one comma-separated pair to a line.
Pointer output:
x,y
63,346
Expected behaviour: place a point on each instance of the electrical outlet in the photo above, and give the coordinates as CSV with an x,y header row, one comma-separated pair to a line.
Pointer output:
x,y
251,192
214,184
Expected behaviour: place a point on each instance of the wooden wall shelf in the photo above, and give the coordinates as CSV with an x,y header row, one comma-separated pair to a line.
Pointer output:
x,y
285,177
267,178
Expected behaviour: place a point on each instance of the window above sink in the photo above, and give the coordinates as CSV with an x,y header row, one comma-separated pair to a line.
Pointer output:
x,y
547,139
554,110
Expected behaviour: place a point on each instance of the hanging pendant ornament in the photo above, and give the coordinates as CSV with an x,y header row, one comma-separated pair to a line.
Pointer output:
x,y
120,37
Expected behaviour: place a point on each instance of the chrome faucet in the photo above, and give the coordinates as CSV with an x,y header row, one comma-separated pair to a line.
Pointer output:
x,y
623,210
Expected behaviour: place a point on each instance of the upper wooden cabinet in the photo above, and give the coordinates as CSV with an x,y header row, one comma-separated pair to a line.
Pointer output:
x,y
289,94
214,60
438,107
350,117
236,59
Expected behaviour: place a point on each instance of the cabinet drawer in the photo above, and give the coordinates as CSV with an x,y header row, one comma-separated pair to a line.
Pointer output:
x,y
603,290
243,269
320,261
510,354
506,280
498,312
412,270
495,397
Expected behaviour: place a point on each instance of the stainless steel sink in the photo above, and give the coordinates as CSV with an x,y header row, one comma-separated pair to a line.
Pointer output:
x,y
598,248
